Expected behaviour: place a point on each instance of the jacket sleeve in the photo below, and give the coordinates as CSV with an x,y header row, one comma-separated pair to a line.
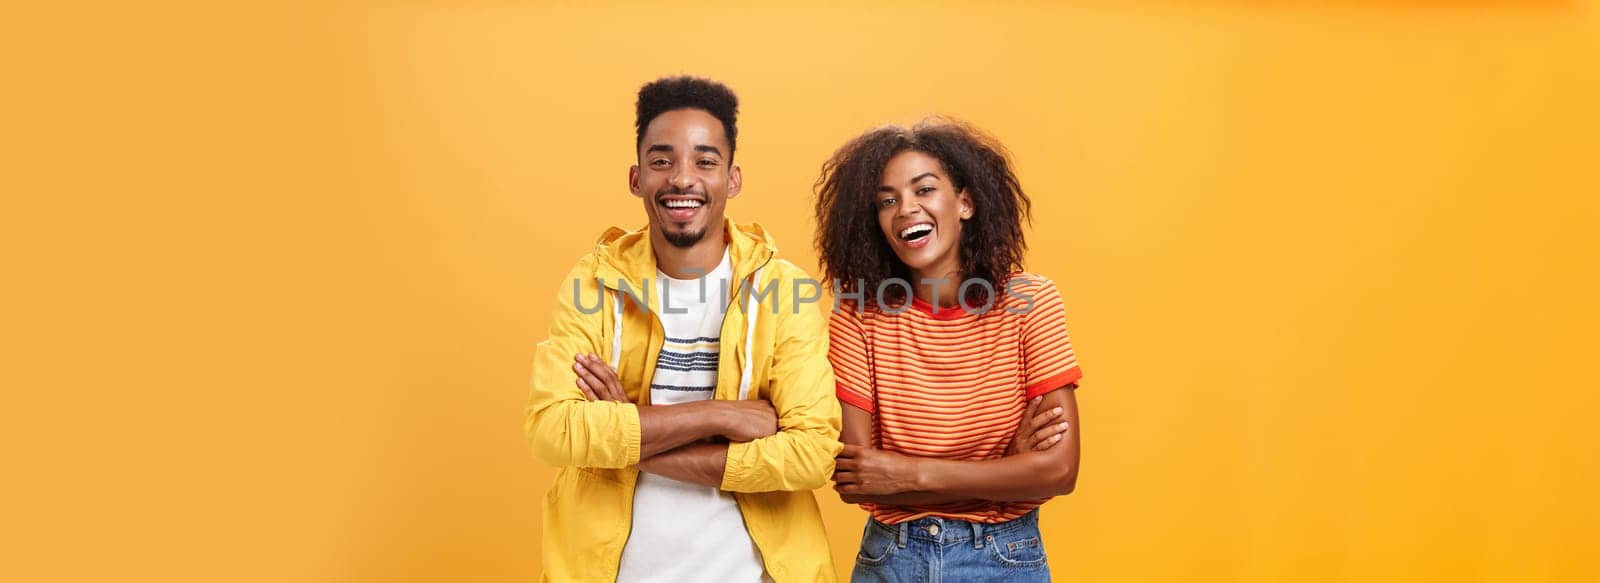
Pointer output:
x,y
800,456
564,428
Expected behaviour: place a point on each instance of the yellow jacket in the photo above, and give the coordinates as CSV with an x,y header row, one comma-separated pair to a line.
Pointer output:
x,y
781,358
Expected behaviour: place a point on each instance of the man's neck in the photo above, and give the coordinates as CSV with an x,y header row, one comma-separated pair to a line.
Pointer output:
x,y
689,262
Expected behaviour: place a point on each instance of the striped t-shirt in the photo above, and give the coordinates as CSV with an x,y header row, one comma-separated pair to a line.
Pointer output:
x,y
945,383
683,531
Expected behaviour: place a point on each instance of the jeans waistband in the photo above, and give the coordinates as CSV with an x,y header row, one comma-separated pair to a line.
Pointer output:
x,y
950,530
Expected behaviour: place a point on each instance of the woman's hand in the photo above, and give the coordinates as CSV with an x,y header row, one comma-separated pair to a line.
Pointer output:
x,y
861,470
1040,429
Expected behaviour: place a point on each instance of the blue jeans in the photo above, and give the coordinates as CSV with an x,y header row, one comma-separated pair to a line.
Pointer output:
x,y
936,549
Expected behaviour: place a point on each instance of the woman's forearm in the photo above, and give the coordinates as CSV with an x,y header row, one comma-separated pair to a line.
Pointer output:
x,y
906,498
1027,476
897,478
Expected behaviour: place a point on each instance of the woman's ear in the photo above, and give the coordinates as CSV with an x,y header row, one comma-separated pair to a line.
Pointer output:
x,y
966,205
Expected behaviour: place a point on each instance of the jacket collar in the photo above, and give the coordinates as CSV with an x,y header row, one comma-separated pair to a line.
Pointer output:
x,y
628,255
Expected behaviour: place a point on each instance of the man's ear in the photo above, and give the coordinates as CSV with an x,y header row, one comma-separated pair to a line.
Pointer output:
x,y
735,181
966,205
633,180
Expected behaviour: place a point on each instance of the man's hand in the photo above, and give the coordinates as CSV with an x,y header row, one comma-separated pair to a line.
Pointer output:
x,y
867,471
747,420
1039,430
596,379
737,420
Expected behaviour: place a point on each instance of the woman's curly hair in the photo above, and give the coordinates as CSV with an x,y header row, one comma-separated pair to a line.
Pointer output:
x,y
853,250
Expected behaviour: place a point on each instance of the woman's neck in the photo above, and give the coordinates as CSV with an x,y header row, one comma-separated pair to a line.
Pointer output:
x,y
937,287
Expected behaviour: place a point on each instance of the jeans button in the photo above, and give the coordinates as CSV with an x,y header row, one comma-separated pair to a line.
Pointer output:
x,y
933,529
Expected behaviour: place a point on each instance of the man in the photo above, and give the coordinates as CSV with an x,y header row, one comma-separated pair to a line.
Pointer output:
x,y
685,390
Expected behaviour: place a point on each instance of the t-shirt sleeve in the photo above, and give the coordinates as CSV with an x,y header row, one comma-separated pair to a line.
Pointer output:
x,y
1046,348
847,350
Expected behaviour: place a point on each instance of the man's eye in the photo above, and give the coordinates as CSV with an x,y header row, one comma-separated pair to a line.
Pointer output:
x,y
658,162
708,163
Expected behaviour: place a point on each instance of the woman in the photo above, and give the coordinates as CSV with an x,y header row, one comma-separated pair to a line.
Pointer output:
x,y
953,365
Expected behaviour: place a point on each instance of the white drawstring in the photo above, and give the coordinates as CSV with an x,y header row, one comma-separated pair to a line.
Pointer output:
x,y
616,330
751,309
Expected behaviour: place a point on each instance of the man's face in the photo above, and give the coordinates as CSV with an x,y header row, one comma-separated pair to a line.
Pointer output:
x,y
684,176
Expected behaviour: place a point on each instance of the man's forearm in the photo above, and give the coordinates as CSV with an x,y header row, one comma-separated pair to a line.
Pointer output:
x,y
664,428
699,463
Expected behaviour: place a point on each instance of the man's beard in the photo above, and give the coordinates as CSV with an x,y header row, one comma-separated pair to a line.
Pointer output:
x,y
683,239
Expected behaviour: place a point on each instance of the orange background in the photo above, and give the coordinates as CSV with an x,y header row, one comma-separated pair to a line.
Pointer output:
x,y
276,272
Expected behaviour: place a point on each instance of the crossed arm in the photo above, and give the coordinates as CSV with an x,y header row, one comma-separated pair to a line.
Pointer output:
x,y
1042,462
671,437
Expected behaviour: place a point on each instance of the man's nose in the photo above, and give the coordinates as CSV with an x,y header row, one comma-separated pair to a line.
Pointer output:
x,y
682,178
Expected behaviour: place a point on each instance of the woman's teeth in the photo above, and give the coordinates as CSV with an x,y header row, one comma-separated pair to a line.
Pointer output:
x,y
915,232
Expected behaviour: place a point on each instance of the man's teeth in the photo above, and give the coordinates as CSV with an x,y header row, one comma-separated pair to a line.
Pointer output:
x,y
915,229
682,204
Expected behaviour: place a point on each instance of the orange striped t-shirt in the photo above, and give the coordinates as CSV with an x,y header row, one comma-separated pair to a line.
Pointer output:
x,y
945,383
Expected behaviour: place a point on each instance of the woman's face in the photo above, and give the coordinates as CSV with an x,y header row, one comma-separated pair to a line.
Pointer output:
x,y
920,213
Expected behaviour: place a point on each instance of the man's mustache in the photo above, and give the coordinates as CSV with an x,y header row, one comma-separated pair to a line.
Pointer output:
x,y
673,190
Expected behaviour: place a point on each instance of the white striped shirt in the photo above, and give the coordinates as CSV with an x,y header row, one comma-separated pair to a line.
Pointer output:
x,y
682,531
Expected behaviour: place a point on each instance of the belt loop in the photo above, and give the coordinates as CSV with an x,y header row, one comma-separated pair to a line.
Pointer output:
x,y
977,534
900,539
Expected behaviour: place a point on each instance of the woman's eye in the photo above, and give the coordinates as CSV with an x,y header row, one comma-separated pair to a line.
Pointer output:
x,y
925,190
886,203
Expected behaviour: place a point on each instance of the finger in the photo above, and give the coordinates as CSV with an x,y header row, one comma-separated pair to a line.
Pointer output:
x,y
1045,431
594,366
1051,430
845,477
584,374
1045,416
847,464
595,386
1041,434
851,451
1047,443
1027,414
596,372
587,392
586,361
609,375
